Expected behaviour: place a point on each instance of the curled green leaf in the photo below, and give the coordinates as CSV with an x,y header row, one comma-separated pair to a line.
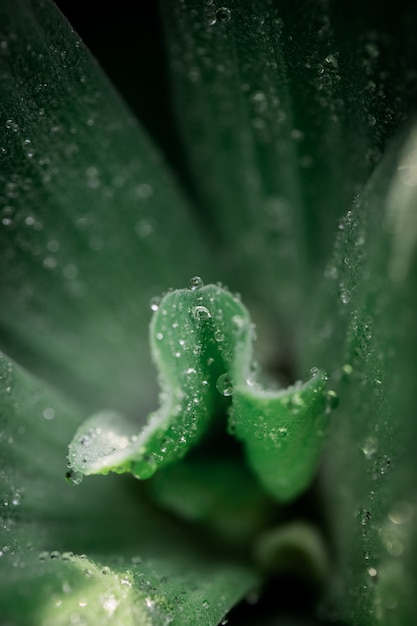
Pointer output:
x,y
201,341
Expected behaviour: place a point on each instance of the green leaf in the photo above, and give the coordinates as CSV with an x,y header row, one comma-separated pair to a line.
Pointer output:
x,y
217,490
141,567
365,335
201,341
284,110
90,219
182,588
284,433
230,84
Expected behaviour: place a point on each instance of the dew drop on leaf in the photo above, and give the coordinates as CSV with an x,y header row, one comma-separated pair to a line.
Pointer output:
x,y
369,447
332,401
347,371
223,15
224,385
219,336
74,478
201,313
155,303
344,295
196,283
48,413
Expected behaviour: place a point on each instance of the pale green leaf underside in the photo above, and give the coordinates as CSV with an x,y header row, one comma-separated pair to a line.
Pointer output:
x,y
181,589
201,340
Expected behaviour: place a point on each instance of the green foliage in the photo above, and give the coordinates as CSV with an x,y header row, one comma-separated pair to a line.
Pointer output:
x,y
303,198
364,332
201,342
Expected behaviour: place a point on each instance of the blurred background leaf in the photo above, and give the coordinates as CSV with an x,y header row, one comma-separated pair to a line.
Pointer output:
x,y
90,219
364,334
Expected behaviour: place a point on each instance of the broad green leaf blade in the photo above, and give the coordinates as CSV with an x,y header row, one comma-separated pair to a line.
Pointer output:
x,y
90,219
369,474
284,111
201,341
234,112
185,588
140,567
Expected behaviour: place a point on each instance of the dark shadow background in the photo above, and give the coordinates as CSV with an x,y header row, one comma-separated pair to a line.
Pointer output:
x,y
127,41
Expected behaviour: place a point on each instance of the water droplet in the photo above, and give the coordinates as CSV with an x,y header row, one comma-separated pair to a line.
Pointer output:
x,y
55,555
219,336
344,295
401,513
331,59
196,283
201,313
332,401
381,466
12,125
370,447
43,556
347,371
372,572
283,432
206,605
155,301
210,16
224,385
223,15
364,516
49,413
74,478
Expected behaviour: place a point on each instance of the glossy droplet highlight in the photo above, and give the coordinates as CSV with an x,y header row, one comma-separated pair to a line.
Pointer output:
x,y
223,15
224,385
74,478
201,313
347,371
219,336
369,447
155,303
401,513
196,283
332,400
